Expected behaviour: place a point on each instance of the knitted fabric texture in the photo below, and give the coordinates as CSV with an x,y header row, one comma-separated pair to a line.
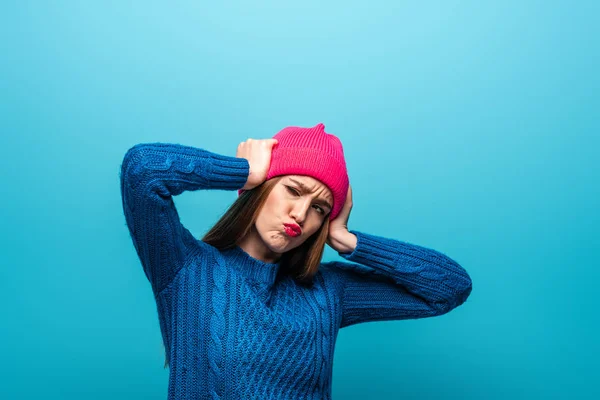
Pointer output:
x,y
233,326
312,152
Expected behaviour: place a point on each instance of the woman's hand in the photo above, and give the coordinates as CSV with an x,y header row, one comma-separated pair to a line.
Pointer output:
x,y
339,237
258,153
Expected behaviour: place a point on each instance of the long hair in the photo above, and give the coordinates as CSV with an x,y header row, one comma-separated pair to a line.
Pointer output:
x,y
301,263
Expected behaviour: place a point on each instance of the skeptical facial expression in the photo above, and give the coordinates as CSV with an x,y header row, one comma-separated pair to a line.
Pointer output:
x,y
296,208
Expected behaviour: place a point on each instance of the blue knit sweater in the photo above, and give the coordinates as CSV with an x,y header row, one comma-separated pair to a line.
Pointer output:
x,y
232,328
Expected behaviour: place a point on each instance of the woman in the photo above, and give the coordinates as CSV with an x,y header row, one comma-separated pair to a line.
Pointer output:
x,y
250,311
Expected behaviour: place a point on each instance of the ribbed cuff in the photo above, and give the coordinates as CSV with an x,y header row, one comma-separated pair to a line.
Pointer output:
x,y
374,251
228,173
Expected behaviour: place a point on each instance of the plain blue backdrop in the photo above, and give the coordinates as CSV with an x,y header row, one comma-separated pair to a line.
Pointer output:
x,y
469,127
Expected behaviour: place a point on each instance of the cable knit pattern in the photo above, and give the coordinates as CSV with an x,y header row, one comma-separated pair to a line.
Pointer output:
x,y
217,332
233,327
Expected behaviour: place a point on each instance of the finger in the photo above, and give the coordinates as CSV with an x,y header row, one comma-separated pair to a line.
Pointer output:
x,y
269,142
349,202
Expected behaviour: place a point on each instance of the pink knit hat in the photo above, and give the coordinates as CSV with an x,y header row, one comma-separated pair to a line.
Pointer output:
x,y
315,153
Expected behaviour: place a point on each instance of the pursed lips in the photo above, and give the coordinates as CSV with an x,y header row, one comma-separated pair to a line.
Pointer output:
x,y
295,228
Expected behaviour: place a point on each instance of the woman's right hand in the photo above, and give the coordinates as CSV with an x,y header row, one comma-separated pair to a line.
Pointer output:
x,y
258,153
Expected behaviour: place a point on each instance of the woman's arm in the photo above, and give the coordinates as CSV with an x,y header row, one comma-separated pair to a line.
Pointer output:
x,y
388,279
151,173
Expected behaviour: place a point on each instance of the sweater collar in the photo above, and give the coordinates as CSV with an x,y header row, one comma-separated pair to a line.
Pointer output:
x,y
257,271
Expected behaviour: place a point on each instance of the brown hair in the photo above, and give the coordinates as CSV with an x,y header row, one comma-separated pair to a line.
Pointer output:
x,y
302,262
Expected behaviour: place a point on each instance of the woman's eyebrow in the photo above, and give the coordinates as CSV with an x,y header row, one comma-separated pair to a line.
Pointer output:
x,y
324,202
305,189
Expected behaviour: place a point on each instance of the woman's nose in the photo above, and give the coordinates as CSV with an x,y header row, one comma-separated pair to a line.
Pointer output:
x,y
299,212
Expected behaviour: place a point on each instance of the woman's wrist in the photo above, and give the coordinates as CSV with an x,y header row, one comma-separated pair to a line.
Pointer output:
x,y
343,242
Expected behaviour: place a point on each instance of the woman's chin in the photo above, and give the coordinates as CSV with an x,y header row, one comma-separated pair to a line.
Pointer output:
x,y
281,242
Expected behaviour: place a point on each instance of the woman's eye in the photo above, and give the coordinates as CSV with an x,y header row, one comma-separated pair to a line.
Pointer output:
x,y
291,189
294,191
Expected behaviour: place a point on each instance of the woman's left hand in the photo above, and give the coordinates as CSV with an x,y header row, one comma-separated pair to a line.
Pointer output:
x,y
339,238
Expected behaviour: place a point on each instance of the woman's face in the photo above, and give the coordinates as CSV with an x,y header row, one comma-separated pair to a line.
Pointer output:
x,y
297,200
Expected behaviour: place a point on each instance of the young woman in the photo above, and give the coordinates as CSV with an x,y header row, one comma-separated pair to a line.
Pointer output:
x,y
250,311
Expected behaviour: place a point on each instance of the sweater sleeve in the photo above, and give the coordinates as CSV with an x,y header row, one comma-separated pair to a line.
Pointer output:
x,y
388,279
151,174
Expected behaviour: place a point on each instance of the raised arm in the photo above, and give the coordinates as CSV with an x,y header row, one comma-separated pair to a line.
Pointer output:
x,y
387,279
151,174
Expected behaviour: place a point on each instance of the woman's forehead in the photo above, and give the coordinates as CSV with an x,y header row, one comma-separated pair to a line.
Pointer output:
x,y
307,180
310,182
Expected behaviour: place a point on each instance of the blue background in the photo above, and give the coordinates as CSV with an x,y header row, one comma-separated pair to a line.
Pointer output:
x,y
469,127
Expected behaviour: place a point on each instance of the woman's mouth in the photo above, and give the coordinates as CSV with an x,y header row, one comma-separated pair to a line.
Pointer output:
x,y
292,230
